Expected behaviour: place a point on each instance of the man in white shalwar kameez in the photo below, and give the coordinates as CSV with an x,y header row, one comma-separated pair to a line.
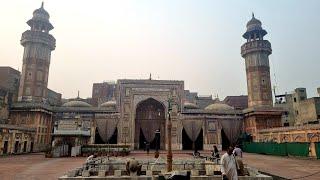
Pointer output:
x,y
229,165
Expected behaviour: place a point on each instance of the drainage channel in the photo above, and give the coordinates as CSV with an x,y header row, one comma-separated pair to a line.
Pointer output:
x,y
275,177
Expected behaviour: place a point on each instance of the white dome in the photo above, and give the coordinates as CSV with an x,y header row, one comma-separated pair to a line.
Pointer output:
x,y
109,104
76,103
189,105
219,107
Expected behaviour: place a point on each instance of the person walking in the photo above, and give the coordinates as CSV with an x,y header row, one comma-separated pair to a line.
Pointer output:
x,y
237,151
229,165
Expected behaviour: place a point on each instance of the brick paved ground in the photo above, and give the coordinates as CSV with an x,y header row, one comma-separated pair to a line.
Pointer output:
x,y
286,167
36,166
291,168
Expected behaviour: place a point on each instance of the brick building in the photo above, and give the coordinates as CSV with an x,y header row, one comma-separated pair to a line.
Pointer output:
x,y
299,109
103,92
32,110
260,113
9,80
238,102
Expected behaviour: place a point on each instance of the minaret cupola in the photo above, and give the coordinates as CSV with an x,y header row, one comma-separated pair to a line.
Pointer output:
x,y
254,30
40,20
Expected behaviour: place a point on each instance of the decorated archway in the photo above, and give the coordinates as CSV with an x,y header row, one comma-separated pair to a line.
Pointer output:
x,y
150,117
106,132
192,144
225,141
113,139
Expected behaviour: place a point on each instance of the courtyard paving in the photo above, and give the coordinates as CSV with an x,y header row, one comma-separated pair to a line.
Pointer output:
x,y
37,167
287,167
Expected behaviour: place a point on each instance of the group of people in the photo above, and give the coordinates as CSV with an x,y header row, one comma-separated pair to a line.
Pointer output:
x,y
236,152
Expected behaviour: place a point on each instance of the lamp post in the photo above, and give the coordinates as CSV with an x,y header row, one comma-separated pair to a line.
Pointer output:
x,y
169,127
157,135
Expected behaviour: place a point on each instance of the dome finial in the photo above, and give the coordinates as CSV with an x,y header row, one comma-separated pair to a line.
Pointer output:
x,y
42,5
252,15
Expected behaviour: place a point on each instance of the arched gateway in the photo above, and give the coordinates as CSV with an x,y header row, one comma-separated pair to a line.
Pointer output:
x,y
150,117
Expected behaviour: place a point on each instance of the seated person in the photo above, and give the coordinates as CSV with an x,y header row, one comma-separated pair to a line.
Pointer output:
x,y
215,152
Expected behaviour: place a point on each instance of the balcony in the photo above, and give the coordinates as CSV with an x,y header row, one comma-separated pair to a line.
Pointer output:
x,y
253,46
38,37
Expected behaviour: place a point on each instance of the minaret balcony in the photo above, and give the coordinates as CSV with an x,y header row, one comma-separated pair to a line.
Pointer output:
x,y
257,45
38,37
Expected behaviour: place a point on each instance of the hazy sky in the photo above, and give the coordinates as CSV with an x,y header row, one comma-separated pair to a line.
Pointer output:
x,y
196,41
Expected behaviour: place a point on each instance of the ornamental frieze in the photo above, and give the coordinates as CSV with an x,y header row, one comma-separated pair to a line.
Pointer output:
x,y
151,89
313,137
18,135
285,138
298,138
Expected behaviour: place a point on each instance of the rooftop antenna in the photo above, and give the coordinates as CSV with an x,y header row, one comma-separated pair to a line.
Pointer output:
x,y
78,95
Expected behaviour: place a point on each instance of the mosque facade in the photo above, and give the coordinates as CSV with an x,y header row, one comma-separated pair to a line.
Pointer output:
x,y
135,114
137,111
139,114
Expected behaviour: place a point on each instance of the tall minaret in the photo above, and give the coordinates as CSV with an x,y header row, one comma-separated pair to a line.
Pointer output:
x,y
38,44
256,53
